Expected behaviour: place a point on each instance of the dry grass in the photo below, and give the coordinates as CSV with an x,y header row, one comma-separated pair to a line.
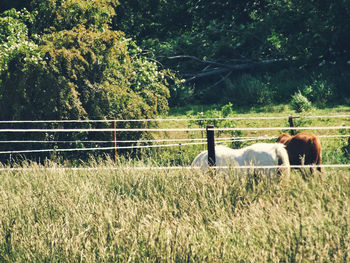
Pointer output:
x,y
116,215
109,214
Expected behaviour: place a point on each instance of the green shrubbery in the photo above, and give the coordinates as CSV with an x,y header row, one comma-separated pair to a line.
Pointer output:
x,y
300,103
319,92
76,73
77,69
248,90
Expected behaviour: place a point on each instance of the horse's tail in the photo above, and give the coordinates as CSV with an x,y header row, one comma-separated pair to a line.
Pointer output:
x,y
282,158
316,151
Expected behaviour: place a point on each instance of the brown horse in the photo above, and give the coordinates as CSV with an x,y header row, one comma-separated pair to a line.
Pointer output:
x,y
303,148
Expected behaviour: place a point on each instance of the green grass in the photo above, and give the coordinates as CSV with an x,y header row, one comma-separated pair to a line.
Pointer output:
x,y
333,152
116,215
274,109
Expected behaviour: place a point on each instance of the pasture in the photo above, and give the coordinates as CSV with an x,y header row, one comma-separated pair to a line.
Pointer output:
x,y
114,212
108,214
333,148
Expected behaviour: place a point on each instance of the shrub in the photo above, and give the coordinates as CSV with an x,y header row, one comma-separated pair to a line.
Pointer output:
x,y
249,90
81,73
319,92
227,110
300,103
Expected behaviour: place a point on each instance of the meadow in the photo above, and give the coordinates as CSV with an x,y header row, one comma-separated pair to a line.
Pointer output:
x,y
109,214
115,212
334,148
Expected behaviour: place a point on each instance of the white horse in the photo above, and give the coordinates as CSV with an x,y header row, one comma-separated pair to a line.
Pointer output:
x,y
259,154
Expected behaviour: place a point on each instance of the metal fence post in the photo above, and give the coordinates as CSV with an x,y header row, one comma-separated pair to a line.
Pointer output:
x,y
211,145
291,124
115,140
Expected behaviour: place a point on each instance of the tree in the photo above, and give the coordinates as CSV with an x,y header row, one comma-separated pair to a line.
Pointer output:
x,y
16,4
311,36
55,15
86,71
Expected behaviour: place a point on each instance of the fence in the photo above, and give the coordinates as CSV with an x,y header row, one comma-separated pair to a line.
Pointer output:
x,y
116,144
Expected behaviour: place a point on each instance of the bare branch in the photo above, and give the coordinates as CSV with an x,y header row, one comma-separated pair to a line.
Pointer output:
x,y
223,68
199,60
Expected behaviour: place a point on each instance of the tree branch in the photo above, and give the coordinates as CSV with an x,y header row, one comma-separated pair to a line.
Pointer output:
x,y
223,67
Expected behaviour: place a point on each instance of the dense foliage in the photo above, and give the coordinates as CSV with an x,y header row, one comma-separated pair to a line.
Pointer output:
x,y
80,59
78,69
311,37
62,61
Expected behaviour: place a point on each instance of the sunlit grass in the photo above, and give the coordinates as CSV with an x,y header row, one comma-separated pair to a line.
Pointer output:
x,y
107,213
333,152
117,215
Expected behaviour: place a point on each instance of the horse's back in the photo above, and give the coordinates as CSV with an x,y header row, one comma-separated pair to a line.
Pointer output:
x,y
259,154
223,157
284,138
265,153
307,145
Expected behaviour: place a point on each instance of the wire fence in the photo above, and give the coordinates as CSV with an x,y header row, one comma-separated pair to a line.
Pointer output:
x,y
170,129
153,143
119,168
180,119
179,142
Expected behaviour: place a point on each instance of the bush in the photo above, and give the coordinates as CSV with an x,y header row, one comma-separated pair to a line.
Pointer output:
x,y
81,73
300,103
319,92
249,90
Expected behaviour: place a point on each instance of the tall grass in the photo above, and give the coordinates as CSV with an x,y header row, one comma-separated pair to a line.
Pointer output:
x,y
111,214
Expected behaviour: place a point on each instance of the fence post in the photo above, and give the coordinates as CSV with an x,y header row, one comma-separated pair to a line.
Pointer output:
x,y
115,139
211,145
291,124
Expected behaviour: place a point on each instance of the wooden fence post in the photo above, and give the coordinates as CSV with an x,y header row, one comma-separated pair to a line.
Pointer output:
x,y
115,139
211,145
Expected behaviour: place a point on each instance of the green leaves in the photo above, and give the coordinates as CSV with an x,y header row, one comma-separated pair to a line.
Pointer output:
x,y
63,62
79,55
309,35
300,103
54,15
14,38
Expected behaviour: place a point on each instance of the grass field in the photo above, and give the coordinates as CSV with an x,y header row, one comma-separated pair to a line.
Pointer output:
x,y
116,215
333,148
107,213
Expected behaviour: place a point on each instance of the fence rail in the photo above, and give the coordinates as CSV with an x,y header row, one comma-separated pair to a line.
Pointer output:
x,y
201,142
155,143
168,167
173,129
176,119
179,141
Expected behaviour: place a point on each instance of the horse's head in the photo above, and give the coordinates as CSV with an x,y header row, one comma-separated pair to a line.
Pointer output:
x,y
284,138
